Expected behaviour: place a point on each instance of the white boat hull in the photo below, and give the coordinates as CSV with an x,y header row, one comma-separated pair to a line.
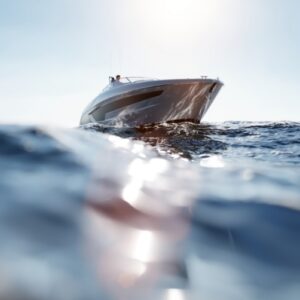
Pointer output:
x,y
153,102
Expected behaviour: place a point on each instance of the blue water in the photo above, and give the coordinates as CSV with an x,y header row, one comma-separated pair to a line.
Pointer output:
x,y
171,211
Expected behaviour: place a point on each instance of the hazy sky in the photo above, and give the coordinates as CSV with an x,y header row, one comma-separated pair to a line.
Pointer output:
x,y
55,56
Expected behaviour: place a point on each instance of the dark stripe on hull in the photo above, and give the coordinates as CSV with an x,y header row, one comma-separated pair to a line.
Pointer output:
x,y
99,113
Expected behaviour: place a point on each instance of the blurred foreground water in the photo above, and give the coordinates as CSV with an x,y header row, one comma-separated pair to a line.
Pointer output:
x,y
171,211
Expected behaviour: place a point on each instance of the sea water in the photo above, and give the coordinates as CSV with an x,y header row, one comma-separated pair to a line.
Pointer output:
x,y
167,211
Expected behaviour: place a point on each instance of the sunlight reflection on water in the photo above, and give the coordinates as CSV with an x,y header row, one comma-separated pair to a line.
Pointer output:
x,y
91,216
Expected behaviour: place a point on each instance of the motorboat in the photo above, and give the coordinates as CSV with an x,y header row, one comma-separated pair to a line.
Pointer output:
x,y
137,101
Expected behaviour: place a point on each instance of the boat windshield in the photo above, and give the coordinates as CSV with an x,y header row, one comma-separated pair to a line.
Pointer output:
x,y
125,80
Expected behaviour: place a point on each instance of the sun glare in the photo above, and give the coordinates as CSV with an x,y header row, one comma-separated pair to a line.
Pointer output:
x,y
177,17
143,246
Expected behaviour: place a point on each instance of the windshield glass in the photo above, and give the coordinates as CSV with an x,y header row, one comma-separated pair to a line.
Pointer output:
x,y
136,79
125,80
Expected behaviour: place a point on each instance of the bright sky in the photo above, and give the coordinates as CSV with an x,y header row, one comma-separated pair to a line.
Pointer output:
x,y
56,56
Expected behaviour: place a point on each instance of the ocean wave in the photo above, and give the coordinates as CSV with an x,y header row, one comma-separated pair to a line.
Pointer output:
x,y
193,210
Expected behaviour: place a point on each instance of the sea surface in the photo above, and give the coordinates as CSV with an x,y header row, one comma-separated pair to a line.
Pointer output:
x,y
172,211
